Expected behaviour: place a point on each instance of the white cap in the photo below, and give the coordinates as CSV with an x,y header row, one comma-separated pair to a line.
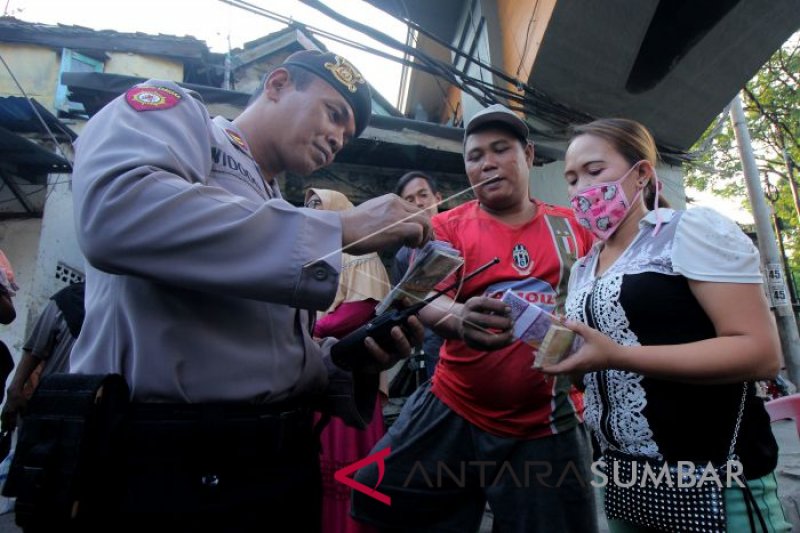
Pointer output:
x,y
497,113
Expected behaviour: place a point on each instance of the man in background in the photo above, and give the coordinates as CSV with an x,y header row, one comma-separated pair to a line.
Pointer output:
x,y
47,349
419,189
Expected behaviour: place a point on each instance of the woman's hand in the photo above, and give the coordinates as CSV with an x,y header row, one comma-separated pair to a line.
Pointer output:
x,y
598,352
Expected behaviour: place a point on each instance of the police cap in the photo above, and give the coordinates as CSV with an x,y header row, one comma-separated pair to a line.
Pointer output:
x,y
342,76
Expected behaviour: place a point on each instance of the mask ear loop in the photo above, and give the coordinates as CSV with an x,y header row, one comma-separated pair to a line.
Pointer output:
x,y
657,186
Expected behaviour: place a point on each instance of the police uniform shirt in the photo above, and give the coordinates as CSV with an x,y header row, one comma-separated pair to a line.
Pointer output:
x,y
197,271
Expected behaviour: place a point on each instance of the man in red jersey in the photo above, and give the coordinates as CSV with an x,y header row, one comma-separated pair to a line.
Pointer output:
x,y
489,427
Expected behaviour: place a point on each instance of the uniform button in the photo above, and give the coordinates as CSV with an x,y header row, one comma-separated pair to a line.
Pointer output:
x,y
320,274
210,480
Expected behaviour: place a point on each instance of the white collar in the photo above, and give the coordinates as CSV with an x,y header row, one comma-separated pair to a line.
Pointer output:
x,y
650,218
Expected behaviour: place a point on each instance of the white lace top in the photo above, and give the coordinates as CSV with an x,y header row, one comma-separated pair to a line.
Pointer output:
x,y
698,244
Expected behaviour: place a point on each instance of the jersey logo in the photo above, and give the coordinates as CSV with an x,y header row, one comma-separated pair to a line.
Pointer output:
x,y
532,290
152,98
522,259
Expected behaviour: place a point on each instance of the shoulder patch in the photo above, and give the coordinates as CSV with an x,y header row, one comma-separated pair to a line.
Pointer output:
x,y
152,98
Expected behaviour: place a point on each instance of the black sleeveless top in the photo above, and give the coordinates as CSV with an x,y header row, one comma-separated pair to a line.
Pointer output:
x,y
645,299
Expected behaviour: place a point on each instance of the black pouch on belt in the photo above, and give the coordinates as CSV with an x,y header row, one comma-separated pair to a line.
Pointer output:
x,y
66,461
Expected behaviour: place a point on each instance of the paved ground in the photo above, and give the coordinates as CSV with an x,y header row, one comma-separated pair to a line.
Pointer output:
x,y
788,479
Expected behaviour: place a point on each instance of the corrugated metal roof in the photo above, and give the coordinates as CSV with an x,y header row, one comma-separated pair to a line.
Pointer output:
x,y
23,159
17,114
87,39
28,156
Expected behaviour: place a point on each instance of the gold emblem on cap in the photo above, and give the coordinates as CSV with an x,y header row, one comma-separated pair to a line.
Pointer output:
x,y
346,73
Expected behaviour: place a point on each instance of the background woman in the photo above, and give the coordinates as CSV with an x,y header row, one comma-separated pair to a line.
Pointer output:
x,y
362,284
675,320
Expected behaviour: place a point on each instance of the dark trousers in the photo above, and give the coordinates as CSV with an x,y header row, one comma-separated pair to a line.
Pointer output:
x,y
211,469
442,470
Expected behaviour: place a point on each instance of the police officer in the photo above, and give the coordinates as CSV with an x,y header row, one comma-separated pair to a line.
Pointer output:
x,y
200,289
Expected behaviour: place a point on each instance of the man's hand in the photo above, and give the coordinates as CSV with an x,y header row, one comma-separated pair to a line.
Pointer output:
x,y
485,323
404,340
384,222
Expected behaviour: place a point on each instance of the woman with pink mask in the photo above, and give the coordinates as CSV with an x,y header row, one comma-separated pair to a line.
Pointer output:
x,y
676,328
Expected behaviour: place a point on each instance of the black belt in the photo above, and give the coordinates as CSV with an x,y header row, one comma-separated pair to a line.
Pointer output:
x,y
223,411
233,428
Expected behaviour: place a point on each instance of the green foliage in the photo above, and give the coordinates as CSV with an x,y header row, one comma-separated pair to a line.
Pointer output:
x,y
772,106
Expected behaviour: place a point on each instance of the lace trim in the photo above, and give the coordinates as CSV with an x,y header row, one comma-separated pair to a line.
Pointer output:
x,y
629,426
608,314
626,398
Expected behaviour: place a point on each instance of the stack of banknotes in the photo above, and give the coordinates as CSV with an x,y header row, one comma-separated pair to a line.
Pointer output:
x,y
541,330
428,267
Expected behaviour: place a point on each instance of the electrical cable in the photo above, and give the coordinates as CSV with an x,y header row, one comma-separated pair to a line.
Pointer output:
x,y
503,75
524,51
564,115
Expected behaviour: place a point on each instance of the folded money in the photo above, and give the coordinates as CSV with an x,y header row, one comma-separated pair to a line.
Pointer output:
x,y
541,330
557,344
531,322
430,265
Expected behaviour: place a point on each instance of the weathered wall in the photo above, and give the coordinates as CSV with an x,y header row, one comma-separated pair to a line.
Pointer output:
x,y
36,68
143,66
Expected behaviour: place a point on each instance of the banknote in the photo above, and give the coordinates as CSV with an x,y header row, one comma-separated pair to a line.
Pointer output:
x,y
531,322
541,330
430,265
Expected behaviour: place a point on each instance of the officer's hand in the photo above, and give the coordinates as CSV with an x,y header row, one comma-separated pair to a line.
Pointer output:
x,y
404,338
485,323
384,222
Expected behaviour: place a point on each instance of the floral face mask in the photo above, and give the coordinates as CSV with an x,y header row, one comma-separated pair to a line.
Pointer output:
x,y
601,208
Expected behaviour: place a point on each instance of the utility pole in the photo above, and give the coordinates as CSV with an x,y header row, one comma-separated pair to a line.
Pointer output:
x,y
773,269
772,194
778,223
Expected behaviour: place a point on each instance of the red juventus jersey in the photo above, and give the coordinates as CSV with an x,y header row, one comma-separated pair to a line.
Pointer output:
x,y
498,391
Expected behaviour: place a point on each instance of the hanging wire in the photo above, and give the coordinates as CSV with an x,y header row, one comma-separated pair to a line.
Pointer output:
x,y
484,92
